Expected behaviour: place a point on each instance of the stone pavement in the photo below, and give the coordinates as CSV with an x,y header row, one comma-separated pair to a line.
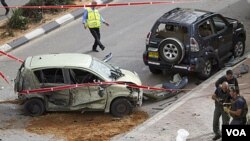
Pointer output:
x,y
192,112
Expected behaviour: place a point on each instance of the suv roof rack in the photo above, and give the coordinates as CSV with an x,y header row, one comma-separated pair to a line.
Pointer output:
x,y
172,11
205,15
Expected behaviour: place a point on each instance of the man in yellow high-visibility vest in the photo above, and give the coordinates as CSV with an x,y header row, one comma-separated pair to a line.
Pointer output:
x,y
92,20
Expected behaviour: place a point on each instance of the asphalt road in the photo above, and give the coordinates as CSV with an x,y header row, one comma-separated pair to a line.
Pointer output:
x,y
125,38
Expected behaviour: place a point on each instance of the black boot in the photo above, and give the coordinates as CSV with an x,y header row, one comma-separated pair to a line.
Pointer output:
x,y
7,11
216,137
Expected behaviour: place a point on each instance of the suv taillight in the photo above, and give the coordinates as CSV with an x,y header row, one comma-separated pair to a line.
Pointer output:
x,y
194,45
148,36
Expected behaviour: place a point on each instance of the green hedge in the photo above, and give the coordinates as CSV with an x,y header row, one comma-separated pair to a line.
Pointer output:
x,y
21,17
35,15
17,20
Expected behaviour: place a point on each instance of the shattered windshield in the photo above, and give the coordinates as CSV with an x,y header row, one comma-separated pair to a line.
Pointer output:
x,y
108,71
101,68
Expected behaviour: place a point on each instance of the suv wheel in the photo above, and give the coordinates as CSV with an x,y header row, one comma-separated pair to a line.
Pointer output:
x,y
121,107
171,50
34,107
154,70
206,71
239,47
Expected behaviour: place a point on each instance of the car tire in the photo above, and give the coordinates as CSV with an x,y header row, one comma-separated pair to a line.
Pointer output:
x,y
171,51
206,71
238,48
121,107
34,107
154,70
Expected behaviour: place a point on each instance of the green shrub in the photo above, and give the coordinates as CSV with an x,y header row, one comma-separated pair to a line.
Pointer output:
x,y
21,17
17,21
57,2
34,15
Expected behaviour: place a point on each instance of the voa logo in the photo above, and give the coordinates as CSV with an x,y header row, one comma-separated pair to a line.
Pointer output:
x,y
236,132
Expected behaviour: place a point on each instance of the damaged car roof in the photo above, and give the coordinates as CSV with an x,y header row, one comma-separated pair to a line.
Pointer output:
x,y
59,60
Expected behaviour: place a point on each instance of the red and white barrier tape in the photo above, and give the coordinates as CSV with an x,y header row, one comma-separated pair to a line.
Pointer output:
x,y
4,78
59,88
104,5
11,56
89,84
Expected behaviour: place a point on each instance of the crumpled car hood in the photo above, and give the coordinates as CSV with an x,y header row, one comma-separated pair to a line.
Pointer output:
x,y
130,77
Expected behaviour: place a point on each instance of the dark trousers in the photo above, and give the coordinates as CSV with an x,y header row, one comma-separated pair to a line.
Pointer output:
x,y
218,112
5,4
96,34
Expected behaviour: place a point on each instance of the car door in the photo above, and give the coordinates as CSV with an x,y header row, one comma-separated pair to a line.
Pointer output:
x,y
206,34
53,77
223,34
90,96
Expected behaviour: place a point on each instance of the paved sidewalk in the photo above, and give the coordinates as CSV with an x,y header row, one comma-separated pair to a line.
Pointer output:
x,y
192,112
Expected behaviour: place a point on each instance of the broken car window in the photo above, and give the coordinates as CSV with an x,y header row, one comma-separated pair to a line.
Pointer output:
x,y
165,30
78,76
54,75
101,68
205,29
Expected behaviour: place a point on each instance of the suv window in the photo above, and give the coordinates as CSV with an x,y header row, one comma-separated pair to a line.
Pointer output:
x,y
165,30
78,76
54,75
205,29
219,23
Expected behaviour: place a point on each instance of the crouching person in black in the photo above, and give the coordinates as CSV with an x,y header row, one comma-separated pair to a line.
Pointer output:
x,y
239,108
220,96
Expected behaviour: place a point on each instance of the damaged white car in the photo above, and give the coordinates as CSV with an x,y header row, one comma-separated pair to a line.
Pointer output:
x,y
52,70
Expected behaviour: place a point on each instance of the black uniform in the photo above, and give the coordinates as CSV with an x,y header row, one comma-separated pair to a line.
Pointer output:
x,y
240,103
233,82
223,97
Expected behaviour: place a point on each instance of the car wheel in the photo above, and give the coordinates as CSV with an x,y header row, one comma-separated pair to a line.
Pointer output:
x,y
121,107
171,51
206,70
154,70
239,47
34,107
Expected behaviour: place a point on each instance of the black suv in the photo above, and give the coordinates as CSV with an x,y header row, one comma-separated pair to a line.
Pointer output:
x,y
193,40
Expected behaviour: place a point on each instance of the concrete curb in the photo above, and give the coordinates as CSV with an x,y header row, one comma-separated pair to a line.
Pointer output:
x,y
45,29
140,131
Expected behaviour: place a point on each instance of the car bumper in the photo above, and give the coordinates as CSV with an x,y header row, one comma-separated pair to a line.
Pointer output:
x,y
195,64
136,97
